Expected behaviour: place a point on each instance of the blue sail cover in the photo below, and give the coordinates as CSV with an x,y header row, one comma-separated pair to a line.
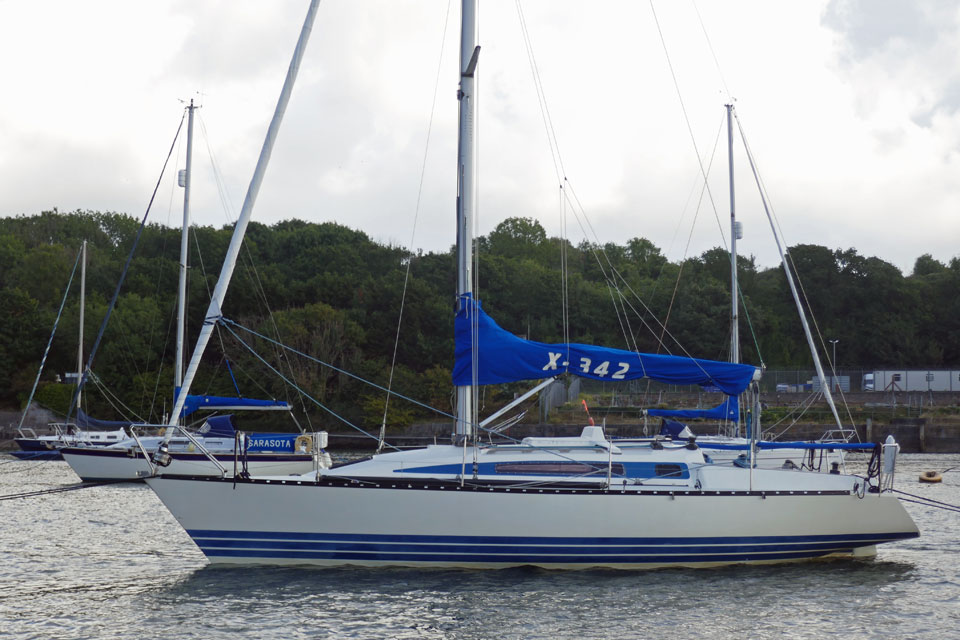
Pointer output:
x,y
503,357
88,422
218,427
727,410
196,403
673,429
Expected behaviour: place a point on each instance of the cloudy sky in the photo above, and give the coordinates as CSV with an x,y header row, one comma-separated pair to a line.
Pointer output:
x,y
849,106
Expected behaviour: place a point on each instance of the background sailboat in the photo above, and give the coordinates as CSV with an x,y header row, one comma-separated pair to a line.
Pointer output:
x,y
216,447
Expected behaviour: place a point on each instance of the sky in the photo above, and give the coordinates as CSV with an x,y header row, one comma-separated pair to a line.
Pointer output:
x,y
850,108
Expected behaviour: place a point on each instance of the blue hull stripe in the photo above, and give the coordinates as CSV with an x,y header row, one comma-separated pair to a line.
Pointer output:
x,y
521,559
195,456
861,538
551,550
420,549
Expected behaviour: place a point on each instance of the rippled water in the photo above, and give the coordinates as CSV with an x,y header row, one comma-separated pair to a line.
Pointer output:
x,y
110,562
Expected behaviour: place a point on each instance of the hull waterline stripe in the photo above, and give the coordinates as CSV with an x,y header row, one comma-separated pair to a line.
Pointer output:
x,y
853,538
526,559
207,545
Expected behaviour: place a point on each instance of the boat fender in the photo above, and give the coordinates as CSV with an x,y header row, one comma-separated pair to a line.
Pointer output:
x,y
302,444
890,451
325,460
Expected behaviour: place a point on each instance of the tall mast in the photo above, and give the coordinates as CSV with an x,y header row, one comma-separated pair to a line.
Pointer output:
x,y
466,192
214,313
734,233
83,293
184,250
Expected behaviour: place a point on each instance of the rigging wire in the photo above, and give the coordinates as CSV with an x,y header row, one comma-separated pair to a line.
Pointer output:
x,y
788,256
564,271
805,405
558,167
413,233
567,189
230,324
713,53
560,172
53,332
231,218
249,266
302,391
686,118
162,263
123,275
113,399
686,250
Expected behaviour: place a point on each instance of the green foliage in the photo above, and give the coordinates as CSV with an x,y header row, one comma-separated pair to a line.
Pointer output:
x,y
55,396
331,293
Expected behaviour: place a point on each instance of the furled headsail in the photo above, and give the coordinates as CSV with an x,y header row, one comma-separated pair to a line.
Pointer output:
x,y
503,357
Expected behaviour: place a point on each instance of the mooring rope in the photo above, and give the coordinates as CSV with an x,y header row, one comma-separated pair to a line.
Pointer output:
x,y
928,502
64,489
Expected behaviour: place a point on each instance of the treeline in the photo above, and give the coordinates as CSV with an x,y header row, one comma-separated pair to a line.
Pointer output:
x,y
331,293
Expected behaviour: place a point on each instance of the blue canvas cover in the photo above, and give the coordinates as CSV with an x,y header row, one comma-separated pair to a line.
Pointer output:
x,y
198,402
672,428
503,357
726,410
87,422
218,427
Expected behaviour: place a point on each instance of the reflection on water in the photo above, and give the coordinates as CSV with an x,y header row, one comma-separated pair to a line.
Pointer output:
x,y
111,562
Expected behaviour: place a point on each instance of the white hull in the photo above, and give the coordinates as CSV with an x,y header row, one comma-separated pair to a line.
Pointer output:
x,y
436,523
103,464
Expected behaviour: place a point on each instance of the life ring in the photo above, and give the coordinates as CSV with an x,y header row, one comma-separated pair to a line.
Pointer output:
x,y
931,476
303,444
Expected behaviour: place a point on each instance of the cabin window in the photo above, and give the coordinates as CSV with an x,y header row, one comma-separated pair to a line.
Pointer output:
x,y
558,468
668,471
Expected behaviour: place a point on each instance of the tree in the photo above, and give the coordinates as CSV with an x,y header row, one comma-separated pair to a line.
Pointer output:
x,y
517,237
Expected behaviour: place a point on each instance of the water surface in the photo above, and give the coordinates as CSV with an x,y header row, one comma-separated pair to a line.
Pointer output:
x,y
111,562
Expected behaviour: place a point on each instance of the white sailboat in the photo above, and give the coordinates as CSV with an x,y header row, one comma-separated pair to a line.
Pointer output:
x,y
85,430
825,454
571,502
216,448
